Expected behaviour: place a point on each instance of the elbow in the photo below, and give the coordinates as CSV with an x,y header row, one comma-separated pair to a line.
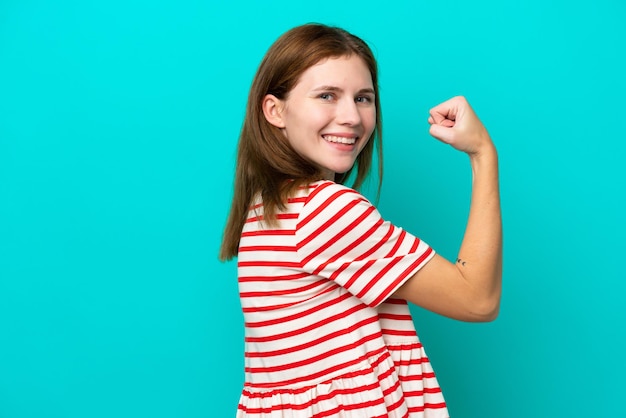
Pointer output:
x,y
485,303
489,315
486,310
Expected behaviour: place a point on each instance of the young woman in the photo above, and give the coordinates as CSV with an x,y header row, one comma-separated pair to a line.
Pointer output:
x,y
324,280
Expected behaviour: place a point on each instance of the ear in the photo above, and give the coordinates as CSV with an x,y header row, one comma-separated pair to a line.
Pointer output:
x,y
272,109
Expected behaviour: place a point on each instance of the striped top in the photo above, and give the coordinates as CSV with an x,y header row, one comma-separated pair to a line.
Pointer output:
x,y
323,338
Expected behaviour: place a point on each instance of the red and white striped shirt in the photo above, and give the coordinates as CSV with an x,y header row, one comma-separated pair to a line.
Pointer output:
x,y
323,337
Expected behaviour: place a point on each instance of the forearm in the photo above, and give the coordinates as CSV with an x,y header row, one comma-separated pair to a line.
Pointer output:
x,y
480,255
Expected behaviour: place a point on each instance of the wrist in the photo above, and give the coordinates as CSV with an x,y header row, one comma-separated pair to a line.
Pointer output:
x,y
484,163
485,153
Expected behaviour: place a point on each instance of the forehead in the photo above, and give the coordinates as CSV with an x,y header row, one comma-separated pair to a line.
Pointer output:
x,y
344,71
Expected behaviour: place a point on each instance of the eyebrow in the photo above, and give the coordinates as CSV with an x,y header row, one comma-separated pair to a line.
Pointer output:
x,y
337,89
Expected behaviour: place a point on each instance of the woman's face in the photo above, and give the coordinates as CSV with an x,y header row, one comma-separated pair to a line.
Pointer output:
x,y
330,114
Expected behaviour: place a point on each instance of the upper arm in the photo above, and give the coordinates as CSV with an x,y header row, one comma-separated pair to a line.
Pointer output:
x,y
439,286
340,236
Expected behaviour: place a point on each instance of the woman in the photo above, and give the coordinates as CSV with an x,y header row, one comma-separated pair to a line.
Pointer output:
x,y
324,280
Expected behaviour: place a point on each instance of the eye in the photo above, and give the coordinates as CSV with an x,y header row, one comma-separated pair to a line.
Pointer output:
x,y
326,96
364,99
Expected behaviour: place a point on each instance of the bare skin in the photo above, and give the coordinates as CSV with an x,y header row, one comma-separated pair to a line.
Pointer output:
x,y
470,288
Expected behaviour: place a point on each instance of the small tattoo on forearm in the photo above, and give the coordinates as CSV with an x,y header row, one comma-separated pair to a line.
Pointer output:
x,y
461,262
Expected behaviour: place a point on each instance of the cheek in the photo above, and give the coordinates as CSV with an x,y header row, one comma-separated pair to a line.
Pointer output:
x,y
370,120
369,113
310,118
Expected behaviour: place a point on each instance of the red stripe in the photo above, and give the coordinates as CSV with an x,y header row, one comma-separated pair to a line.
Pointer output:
x,y
280,216
310,186
417,409
416,244
248,279
420,393
258,263
432,390
399,332
395,317
397,245
424,375
407,346
266,232
270,293
289,200
413,361
396,301
276,248
293,200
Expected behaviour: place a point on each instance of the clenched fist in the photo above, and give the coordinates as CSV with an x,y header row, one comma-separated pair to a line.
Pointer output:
x,y
454,122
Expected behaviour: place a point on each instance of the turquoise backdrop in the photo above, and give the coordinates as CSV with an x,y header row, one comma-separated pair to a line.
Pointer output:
x,y
118,127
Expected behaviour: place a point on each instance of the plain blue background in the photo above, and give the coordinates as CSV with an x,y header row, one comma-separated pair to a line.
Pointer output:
x,y
118,128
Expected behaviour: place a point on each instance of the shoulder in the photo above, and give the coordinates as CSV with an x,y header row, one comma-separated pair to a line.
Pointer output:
x,y
326,192
326,201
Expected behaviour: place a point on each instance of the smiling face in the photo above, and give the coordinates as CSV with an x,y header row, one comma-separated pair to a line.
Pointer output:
x,y
329,115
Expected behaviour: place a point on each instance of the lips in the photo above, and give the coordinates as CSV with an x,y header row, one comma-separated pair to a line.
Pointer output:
x,y
340,139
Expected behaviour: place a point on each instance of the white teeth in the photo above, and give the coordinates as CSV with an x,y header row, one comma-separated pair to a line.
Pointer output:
x,y
339,139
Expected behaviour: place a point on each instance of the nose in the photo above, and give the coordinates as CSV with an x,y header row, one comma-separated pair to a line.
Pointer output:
x,y
348,113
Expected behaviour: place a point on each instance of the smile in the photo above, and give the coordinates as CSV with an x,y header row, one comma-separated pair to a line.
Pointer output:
x,y
339,139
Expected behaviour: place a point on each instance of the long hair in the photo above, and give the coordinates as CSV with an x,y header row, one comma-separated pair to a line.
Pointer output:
x,y
266,163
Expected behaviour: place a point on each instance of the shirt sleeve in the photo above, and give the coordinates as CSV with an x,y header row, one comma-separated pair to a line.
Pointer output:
x,y
341,236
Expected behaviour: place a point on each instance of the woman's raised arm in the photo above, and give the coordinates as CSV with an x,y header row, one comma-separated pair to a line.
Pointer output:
x,y
468,289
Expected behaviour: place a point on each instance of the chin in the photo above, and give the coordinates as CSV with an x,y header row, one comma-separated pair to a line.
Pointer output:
x,y
342,168
341,172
